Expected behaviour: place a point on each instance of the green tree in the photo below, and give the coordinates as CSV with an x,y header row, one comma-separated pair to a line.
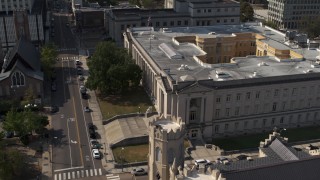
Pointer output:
x,y
310,26
246,11
48,58
270,24
112,70
24,122
12,164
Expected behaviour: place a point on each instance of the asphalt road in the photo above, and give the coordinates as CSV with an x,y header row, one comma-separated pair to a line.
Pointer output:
x,y
71,153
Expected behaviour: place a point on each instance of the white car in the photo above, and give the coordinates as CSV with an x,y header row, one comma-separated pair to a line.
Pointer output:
x,y
202,161
83,89
96,153
223,160
139,171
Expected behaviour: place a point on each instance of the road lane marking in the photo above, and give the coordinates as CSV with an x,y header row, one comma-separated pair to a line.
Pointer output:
x,y
95,172
100,172
69,175
78,132
59,170
64,176
59,176
91,172
82,173
74,174
69,144
87,173
55,177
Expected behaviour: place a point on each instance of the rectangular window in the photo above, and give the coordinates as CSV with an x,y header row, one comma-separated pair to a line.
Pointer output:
x,y
255,123
216,128
226,126
257,94
171,23
248,95
315,116
198,11
267,94
122,27
311,90
303,90
218,20
236,126
236,111
281,120
157,24
232,20
227,112
273,121
283,106
245,124
238,97
292,104
209,10
264,122
276,93
274,106
228,98
217,113
179,23
218,99
143,24
186,22
192,115
294,92
164,23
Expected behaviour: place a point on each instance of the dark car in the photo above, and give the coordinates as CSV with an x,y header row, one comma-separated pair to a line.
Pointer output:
x,y
242,157
9,134
54,109
92,133
90,126
79,71
84,96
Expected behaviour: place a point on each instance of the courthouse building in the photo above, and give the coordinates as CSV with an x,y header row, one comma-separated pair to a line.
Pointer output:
x,y
228,80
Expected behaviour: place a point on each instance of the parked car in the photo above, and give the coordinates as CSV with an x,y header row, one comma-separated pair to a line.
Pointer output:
x,y
79,71
242,157
9,134
139,171
201,161
92,134
78,62
84,96
95,144
96,153
223,160
81,77
54,109
87,109
53,86
90,126
83,89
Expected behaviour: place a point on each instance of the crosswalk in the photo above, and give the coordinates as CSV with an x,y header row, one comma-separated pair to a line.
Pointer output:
x,y
66,49
113,177
78,174
68,58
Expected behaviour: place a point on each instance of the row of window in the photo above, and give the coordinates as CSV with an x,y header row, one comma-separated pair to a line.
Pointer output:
x,y
268,122
276,106
158,24
217,10
270,94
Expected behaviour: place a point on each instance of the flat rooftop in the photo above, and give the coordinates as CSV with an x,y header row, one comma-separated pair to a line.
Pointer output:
x,y
188,68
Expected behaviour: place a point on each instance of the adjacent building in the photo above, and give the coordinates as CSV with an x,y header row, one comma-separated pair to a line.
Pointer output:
x,y
21,17
292,14
20,71
228,80
183,13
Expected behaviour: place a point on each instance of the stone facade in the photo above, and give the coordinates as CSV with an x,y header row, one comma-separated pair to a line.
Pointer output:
x,y
166,145
217,108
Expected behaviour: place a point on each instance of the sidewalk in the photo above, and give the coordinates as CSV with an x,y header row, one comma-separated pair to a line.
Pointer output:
x,y
46,159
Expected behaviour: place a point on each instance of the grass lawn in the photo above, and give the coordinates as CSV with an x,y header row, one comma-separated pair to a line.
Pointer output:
x,y
128,102
252,141
137,153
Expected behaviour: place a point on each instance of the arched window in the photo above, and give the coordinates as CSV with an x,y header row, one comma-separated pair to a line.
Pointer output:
x,y
17,79
158,154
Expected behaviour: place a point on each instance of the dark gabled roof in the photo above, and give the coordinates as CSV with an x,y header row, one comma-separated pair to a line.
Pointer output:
x,y
282,151
294,170
26,53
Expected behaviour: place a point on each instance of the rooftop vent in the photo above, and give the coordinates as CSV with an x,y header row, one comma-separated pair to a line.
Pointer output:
x,y
254,74
183,67
308,71
169,51
263,64
221,74
212,33
316,65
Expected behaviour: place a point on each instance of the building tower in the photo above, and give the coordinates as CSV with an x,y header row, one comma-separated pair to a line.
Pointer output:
x,y
166,149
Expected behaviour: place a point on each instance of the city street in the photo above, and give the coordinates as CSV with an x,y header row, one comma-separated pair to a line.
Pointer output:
x,y
71,154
